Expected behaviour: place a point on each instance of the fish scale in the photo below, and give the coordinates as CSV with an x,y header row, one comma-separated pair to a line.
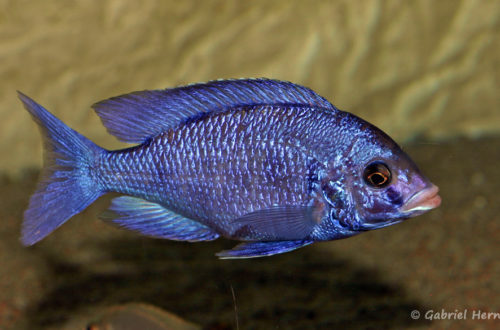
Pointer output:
x,y
244,175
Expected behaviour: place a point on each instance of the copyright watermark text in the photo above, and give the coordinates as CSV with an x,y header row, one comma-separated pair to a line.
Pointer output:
x,y
464,314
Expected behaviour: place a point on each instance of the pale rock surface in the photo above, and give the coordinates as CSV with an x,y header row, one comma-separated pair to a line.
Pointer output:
x,y
414,68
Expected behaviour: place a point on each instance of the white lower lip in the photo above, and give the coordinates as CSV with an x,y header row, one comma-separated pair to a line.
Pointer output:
x,y
424,200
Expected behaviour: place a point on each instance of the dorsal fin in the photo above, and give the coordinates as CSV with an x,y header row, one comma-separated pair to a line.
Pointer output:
x,y
137,116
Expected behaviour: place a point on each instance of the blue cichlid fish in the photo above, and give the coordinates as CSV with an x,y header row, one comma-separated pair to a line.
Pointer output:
x,y
267,162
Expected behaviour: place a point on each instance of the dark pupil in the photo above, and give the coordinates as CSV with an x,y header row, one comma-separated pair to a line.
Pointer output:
x,y
377,175
377,178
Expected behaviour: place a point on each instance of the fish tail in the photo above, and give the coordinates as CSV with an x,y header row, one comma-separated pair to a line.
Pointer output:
x,y
67,184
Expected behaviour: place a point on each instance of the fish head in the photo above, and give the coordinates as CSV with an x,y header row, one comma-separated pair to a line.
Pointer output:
x,y
382,185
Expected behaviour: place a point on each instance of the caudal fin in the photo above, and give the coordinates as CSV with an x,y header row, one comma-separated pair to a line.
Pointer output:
x,y
67,185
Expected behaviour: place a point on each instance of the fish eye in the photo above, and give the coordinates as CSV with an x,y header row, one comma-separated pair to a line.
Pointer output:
x,y
377,175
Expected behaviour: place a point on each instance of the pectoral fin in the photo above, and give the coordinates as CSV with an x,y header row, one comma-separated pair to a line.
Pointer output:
x,y
276,223
261,249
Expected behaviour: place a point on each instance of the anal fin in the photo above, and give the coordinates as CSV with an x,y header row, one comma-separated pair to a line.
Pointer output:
x,y
261,249
154,220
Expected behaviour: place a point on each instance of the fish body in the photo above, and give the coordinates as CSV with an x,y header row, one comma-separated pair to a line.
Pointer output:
x,y
266,162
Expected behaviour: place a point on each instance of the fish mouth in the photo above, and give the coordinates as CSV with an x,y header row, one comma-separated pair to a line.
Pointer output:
x,y
426,199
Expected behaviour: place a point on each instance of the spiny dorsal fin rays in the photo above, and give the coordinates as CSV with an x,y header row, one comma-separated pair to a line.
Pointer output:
x,y
137,116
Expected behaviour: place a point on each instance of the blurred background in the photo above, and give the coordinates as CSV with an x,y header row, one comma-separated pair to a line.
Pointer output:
x,y
415,68
426,72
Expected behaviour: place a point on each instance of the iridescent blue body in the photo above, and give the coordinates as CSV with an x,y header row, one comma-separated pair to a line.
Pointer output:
x,y
263,161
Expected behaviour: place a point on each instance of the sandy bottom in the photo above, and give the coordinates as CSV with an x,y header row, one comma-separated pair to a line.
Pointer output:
x,y
446,260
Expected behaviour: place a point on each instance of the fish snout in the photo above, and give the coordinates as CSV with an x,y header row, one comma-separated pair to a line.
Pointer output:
x,y
422,201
